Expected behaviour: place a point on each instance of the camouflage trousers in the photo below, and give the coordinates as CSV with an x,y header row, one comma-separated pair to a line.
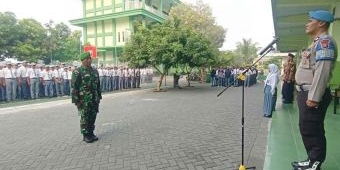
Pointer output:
x,y
87,119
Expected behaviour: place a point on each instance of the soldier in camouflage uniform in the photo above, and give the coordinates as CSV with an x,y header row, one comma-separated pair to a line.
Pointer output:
x,y
86,95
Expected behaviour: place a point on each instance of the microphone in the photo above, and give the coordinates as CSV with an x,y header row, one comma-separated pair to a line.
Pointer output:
x,y
269,46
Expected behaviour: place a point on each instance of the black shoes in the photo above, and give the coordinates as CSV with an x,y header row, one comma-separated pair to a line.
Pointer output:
x,y
88,139
306,165
94,137
268,116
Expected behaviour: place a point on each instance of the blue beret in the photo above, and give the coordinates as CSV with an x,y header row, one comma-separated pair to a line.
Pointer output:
x,y
321,15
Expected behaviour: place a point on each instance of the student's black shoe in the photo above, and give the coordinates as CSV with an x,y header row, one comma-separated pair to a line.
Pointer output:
x,y
268,116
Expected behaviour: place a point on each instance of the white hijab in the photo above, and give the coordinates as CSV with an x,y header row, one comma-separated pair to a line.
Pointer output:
x,y
273,76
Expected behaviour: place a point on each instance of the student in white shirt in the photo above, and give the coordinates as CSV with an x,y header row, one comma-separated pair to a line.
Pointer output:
x,y
2,83
46,78
10,75
33,80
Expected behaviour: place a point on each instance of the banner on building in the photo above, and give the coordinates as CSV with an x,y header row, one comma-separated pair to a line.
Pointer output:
x,y
92,49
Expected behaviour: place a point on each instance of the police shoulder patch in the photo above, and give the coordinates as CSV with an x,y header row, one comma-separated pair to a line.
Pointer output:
x,y
325,49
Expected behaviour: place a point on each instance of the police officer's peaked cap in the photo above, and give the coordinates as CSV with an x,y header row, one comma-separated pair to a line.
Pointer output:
x,y
322,15
85,55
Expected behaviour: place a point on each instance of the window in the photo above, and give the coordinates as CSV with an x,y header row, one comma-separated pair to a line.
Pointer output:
x,y
118,36
123,36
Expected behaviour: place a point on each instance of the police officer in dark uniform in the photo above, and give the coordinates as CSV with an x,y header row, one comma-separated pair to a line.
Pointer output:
x,y
312,77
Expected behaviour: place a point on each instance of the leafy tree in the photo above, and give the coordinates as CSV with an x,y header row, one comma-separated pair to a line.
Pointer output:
x,y
196,53
30,41
8,34
59,39
245,52
27,39
72,47
199,18
156,47
225,58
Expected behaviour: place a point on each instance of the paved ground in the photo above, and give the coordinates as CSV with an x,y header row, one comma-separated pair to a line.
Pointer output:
x,y
181,129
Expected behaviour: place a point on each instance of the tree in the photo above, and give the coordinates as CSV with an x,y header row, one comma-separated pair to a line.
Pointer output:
x,y
156,47
199,18
27,39
225,58
62,44
9,38
196,53
245,52
30,42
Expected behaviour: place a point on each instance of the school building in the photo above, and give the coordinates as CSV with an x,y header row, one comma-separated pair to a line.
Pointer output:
x,y
108,24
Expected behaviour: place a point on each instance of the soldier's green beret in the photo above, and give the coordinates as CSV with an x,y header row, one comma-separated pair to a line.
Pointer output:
x,y
85,55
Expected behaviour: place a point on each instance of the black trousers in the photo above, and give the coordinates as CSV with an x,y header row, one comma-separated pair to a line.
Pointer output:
x,y
287,92
311,123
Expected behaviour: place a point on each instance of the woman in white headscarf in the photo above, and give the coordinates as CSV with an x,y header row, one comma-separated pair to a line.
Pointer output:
x,y
270,90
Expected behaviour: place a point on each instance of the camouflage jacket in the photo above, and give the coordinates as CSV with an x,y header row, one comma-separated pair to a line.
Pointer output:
x,y
85,86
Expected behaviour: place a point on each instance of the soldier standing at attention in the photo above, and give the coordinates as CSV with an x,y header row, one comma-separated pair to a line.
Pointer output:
x,y
312,77
86,95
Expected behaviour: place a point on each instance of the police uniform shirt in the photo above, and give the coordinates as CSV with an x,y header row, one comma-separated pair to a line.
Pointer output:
x,y
316,66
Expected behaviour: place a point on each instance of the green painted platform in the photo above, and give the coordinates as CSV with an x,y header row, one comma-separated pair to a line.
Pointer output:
x,y
285,145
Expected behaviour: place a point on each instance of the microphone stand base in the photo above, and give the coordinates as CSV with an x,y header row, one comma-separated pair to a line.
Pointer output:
x,y
243,167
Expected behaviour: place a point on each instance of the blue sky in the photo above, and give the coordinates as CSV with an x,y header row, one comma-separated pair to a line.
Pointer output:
x,y
242,18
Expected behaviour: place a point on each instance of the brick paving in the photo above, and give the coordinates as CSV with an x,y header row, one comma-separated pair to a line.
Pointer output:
x,y
181,129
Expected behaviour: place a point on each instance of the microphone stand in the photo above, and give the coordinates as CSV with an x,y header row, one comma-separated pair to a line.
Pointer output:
x,y
242,78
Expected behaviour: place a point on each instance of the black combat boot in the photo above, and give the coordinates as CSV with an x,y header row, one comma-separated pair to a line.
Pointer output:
x,y
93,136
88,138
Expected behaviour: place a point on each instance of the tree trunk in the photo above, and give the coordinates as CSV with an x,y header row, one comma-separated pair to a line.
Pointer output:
x,y
188,79
159,83
203,76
